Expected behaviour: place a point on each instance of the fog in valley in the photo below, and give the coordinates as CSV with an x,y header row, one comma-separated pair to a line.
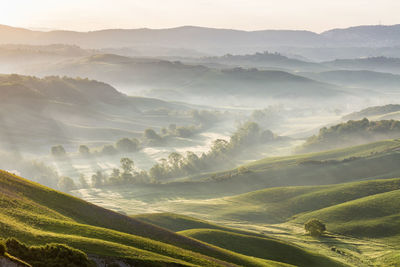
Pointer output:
x,y
257,130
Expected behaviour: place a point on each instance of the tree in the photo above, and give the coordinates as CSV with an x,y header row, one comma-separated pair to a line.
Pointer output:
x,y
82,181
84,150
127,145
315,227
109,150
175,160
98,179
157,172
151,134
66,184
58,151
127,165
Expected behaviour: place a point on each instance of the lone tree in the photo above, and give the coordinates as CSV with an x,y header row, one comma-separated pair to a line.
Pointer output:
x,y
66,184
315,227
58,151
84,150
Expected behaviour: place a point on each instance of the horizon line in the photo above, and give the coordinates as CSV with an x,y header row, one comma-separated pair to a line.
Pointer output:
x,y
43,29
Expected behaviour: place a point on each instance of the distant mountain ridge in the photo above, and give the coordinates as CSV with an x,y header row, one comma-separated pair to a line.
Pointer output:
x,y
208,39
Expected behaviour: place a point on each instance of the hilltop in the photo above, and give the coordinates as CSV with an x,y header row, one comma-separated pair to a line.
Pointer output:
x,y
264,60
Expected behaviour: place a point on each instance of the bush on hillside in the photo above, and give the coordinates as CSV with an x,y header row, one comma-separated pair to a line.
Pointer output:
x,y
315,227
3,249
49,255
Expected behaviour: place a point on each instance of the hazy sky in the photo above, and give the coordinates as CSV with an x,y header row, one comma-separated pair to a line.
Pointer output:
x,y
84,15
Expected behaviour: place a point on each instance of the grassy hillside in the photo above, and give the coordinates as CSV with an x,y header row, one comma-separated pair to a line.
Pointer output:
x,y
38,215
374,216
366,162
260,247
177,223
281,204
243,242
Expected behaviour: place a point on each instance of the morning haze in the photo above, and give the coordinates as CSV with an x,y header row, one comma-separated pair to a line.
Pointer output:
x,y
265,134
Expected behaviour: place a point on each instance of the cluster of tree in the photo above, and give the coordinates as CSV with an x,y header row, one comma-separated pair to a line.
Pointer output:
x,y
201,118
352,133
129,145
221,155
269,116
151,138
124,145
49,255
126,174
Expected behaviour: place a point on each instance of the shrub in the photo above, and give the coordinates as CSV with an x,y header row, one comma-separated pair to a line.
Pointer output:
x,y
315,227
50,255
3,249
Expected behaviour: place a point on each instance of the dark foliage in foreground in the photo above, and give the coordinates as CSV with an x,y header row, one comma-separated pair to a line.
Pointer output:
x,y
50,255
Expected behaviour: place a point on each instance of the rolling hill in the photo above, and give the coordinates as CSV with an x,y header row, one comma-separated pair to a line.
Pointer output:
x,y
377,64
263,60
381,82
40,215
351,133
372,161
66,111
366,35
372,113
178,81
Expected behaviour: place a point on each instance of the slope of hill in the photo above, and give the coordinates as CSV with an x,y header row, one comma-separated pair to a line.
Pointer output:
x,y
351,133
263,60
65,110
373,112
176,222
240,241
284,203
373,216
259,247
366,162
36,215
381,82
365,209
366,35
379,64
